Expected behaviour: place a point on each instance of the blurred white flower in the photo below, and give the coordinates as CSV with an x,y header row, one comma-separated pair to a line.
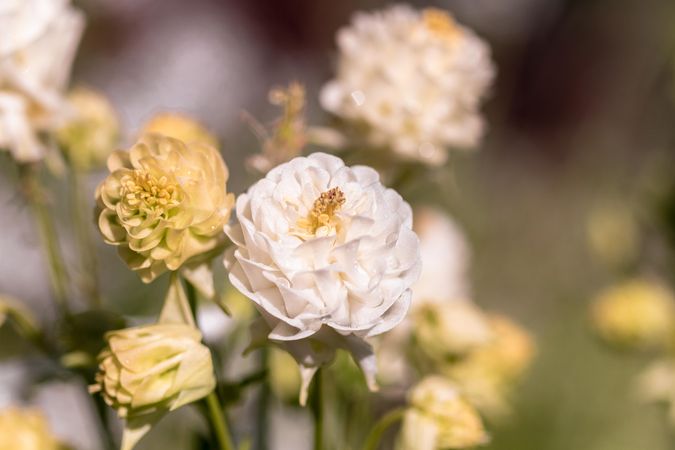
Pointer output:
x,y
328,256
39,40
412,80
445,252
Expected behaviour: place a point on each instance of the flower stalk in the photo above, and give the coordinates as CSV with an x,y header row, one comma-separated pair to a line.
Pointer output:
x,y
89,264
373,439
218,422
34,193
317,409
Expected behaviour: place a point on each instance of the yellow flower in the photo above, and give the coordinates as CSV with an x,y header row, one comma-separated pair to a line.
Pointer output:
x,y
93,132
181,127
638,313
147,371
164,203
438,418
488,374
26,429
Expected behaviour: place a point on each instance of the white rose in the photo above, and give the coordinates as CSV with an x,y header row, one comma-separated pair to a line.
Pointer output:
x,y
412,80
39,39
328,256
445,253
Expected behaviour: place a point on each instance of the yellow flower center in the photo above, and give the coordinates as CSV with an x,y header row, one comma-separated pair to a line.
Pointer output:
x,y
440,23
142,190
322,214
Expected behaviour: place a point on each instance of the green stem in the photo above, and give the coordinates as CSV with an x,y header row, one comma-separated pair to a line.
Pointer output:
x,y
218,422
89,263
263,403
215,410
317,409
36,197
375,436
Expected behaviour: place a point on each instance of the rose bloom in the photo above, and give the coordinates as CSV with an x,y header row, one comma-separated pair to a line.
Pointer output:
x,y
164,203
438,418
26,429
39,40
328,256
411,81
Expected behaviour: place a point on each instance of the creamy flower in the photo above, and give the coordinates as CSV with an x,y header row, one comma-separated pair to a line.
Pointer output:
x,y
446,256
181,127
39,40
26,429
149,370
449,329
92,133
440,419
413,81
638,313
164,203
328,256
488,375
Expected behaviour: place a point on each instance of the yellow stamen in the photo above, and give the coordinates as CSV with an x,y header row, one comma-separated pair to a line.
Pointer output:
x,y
142,190
323,211
440,23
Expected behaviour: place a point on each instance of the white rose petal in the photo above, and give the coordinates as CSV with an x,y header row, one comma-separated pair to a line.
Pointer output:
x,y
327,283
39,39
416,79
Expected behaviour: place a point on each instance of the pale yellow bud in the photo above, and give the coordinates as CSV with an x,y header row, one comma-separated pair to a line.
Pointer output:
x,y
26,429
164,203
92,133
488,374
439,418
154,368
181,127
639,314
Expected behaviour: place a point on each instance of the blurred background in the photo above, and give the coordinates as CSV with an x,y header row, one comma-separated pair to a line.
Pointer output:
x,y
581,115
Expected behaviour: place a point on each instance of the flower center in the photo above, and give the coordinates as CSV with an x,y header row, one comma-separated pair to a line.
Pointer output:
x,y
144,191
322,214
440,23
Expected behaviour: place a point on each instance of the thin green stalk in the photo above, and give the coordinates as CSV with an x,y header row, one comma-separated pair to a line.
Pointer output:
x,y
89,264
36,198
263,404
218,422
375,436
317,409
216,415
